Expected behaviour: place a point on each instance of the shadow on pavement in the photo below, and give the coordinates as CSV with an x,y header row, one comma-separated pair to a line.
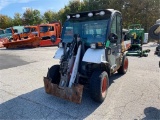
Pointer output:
x,y
39,105
9,61
151,113
114,77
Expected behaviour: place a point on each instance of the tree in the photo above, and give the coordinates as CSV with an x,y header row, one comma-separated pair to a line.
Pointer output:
x,y
144,12
5,21
32,17
17,19
50,16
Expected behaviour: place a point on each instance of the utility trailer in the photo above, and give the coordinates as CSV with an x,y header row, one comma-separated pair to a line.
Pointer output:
x,y
89,53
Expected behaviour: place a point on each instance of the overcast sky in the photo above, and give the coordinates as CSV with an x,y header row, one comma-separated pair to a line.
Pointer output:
x,y
9,7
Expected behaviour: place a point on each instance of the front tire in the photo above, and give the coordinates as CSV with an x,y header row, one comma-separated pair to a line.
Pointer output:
x,y
54,74
99,83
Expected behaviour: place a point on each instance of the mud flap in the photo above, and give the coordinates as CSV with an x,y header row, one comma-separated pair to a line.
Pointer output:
x,y
73,94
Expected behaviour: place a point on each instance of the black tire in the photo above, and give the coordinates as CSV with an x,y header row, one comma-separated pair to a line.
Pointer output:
x,y
54,74
151,32
99,83
124,67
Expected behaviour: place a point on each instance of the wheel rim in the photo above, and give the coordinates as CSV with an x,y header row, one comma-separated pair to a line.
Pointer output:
x,y
126,64
104,86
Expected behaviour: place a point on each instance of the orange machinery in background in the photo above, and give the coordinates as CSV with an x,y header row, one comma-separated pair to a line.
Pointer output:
x,y
50,34
34,36
28,30
28,38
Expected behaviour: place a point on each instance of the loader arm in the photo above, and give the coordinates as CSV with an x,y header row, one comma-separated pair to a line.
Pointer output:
x,y
68,87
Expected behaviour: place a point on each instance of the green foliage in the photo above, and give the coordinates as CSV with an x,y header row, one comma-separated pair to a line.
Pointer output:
x,y
17,19
144,12
32,17
5,21
50,16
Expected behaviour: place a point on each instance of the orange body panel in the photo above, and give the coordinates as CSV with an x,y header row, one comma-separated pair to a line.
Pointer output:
x,y
48,42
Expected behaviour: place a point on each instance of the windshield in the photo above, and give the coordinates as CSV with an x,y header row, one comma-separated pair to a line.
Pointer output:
x,y
44,28
26,30
1,32
91,31
8,30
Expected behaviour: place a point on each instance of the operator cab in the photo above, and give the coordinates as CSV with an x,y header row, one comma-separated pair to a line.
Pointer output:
x,y
92,27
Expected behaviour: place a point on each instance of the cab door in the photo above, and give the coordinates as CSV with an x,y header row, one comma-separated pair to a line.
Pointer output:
x,y
115,43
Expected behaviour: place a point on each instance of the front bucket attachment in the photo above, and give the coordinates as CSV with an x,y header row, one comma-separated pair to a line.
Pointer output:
x,y
73,94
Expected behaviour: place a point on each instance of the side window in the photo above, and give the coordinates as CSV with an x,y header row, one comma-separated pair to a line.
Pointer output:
x,y
33,30
114,27
51,28
119,29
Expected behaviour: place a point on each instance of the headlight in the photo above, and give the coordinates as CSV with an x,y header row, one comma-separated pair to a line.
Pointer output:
x,y
102,13
68,17
77,15
90,14
93,45
60,45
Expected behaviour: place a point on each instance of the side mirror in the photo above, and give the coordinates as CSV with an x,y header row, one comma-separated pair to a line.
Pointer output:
x,y
113,38
53,38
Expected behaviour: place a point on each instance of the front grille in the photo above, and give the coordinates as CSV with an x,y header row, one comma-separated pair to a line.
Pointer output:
x,y
46,37
25,37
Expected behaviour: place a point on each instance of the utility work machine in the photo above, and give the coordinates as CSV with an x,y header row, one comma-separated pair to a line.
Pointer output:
x,y
154,34
137,37
90,52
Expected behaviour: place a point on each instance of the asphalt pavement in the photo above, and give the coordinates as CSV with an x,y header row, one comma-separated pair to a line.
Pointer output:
x,y
133,96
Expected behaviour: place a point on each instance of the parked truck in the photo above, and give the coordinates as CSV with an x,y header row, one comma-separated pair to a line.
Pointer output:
x,y
1,31
28,30
50,34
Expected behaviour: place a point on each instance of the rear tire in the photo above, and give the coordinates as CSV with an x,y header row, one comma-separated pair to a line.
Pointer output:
x,y
54,74
124,67
99,83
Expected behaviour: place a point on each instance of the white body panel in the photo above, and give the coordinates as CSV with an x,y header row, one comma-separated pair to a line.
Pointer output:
x,y
94,56
59,53
75,67
145,38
